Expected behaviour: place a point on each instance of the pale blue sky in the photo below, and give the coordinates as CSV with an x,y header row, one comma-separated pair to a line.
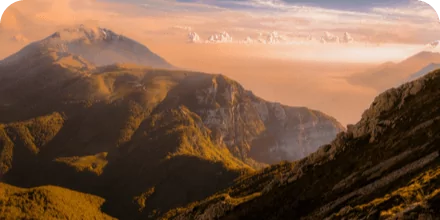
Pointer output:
x,y
3,4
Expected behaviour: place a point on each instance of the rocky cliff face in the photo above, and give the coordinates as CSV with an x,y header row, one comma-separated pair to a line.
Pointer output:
x,y
385,167
252,128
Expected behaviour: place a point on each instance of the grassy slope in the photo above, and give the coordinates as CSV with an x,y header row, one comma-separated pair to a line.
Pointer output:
x,y
48,202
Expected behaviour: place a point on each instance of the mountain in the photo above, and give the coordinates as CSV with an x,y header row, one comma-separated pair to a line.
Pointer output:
x,y
391,74
145,139
386,166
431,67
97,45
48,202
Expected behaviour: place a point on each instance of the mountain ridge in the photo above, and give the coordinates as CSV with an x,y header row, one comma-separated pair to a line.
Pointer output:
x,y
393,74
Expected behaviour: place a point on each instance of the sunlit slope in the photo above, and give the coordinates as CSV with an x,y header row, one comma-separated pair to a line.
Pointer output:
x,y
48,202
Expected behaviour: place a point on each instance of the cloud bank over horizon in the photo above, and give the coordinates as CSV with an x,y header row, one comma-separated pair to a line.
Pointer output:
x,y
391,21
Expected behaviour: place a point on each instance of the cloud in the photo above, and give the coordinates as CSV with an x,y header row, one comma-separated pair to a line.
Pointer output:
x,y
184,28
329,38
247,40
222,37
434,44
347,38
193,37
271,38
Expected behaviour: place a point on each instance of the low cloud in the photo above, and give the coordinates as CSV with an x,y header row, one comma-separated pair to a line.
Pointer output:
x,y
193,37
222,37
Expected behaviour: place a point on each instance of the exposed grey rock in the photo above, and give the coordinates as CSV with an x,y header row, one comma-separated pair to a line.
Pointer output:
x,y
266,132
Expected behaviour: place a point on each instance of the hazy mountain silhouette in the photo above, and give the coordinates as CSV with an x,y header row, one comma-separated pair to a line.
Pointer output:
x,y
393,74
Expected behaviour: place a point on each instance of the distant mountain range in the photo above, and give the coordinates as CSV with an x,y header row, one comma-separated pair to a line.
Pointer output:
x,y
431,67
144,137
391,74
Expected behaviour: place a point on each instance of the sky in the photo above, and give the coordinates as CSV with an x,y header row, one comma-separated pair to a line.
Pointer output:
x,y
367,21
377,22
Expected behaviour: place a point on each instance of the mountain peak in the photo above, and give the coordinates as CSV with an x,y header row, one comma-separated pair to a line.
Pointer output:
x,y
85,33
97,45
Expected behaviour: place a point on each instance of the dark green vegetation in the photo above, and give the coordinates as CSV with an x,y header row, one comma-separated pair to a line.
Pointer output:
x,y
146,140
387,166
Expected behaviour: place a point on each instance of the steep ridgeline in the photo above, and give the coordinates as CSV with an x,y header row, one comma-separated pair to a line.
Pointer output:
x,y
387,166
146,140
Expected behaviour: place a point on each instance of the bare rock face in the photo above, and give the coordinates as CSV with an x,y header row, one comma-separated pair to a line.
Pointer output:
x,y
373,120
252,128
